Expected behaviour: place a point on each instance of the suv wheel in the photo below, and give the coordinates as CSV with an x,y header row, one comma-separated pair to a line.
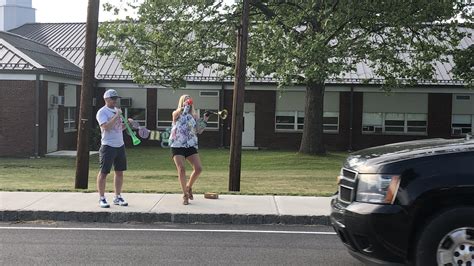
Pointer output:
x,y
448,239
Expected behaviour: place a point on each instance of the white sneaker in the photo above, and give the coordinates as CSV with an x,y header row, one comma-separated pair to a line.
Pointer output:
x,y
103,203
118,200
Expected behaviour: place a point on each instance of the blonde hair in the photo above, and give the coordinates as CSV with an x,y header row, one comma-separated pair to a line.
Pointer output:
x,y
181,104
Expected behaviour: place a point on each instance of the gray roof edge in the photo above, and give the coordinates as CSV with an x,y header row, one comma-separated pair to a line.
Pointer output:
x,y
26,39
42,72
54,53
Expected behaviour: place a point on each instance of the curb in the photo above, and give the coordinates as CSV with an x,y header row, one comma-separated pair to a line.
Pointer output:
x,y
180,218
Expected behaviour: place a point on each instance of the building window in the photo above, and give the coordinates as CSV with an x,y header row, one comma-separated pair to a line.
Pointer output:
x,y
137,114
165,118
331,122
69,119
372,122
394,123
461,125
285,120
417,123
294,121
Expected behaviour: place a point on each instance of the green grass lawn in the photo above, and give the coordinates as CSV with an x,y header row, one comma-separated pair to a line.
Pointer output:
x,y
151,170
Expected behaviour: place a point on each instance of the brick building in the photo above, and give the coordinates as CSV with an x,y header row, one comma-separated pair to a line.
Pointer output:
x,y
356,115
38,90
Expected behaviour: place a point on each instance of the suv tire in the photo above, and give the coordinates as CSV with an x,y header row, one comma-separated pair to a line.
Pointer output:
x,y
445,233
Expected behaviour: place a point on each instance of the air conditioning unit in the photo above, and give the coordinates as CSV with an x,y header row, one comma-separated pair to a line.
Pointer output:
x,y
56,100
125,102
456,131
53,100
61,100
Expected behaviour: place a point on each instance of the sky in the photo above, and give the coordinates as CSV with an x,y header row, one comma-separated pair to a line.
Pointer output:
x,y
75,10
70,10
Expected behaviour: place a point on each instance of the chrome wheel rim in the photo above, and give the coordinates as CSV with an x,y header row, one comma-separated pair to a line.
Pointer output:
x,y
457,248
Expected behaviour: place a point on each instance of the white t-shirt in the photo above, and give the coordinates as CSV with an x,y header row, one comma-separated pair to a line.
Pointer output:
x,y
114,136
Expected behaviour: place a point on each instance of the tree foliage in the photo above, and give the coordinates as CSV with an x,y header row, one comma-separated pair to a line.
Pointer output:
x,y
171,40
306,42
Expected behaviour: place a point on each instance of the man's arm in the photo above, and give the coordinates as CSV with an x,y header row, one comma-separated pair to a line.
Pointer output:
x,y
110,124
129,123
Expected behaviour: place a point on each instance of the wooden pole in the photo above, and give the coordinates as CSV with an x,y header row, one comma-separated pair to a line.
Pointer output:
x,y
238,101
88,80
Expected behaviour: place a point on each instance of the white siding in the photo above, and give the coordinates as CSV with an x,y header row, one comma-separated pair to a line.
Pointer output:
x,y
138,96
295,101
2,20
267,87
395,102
70,95
461,107
53,89
168,99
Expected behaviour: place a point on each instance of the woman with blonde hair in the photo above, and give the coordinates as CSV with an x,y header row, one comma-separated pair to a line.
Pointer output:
x,y
184,143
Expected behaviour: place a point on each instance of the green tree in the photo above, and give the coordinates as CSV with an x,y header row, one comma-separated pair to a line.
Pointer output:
x,y
309,42
297,42
172,39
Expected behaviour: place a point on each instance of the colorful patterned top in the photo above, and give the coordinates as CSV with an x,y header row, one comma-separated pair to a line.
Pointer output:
x,y
184,131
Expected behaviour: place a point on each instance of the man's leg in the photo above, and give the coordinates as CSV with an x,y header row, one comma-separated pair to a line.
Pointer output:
x,y
101,180
118,182
106,159
120,165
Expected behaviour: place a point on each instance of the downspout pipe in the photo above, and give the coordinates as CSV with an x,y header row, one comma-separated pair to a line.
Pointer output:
x,y
221,107
351,120
37,111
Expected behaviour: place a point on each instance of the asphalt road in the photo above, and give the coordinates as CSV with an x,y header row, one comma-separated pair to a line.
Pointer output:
x,y
169,244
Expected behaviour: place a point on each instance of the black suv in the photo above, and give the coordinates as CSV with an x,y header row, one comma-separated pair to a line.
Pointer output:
x,y
408,203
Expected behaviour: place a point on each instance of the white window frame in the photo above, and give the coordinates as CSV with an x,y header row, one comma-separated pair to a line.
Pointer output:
x,y
163,121
461,128
142,122
408,126
287,113
338,122
405,125
385,126
68,122
374,125
295,124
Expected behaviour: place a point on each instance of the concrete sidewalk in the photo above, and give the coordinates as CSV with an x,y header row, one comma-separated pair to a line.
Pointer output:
x,y
150,208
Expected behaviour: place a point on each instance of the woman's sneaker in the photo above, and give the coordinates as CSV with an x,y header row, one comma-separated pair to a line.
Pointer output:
x,y
103,203
118,200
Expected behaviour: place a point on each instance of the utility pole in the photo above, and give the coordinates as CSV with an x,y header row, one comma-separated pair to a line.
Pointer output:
x,y
238,101
88,80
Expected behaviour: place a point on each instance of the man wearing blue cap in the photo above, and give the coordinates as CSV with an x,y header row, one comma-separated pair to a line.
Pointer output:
x,y
112,149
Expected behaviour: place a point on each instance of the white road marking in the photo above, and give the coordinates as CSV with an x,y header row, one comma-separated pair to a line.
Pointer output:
x,y
164,230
